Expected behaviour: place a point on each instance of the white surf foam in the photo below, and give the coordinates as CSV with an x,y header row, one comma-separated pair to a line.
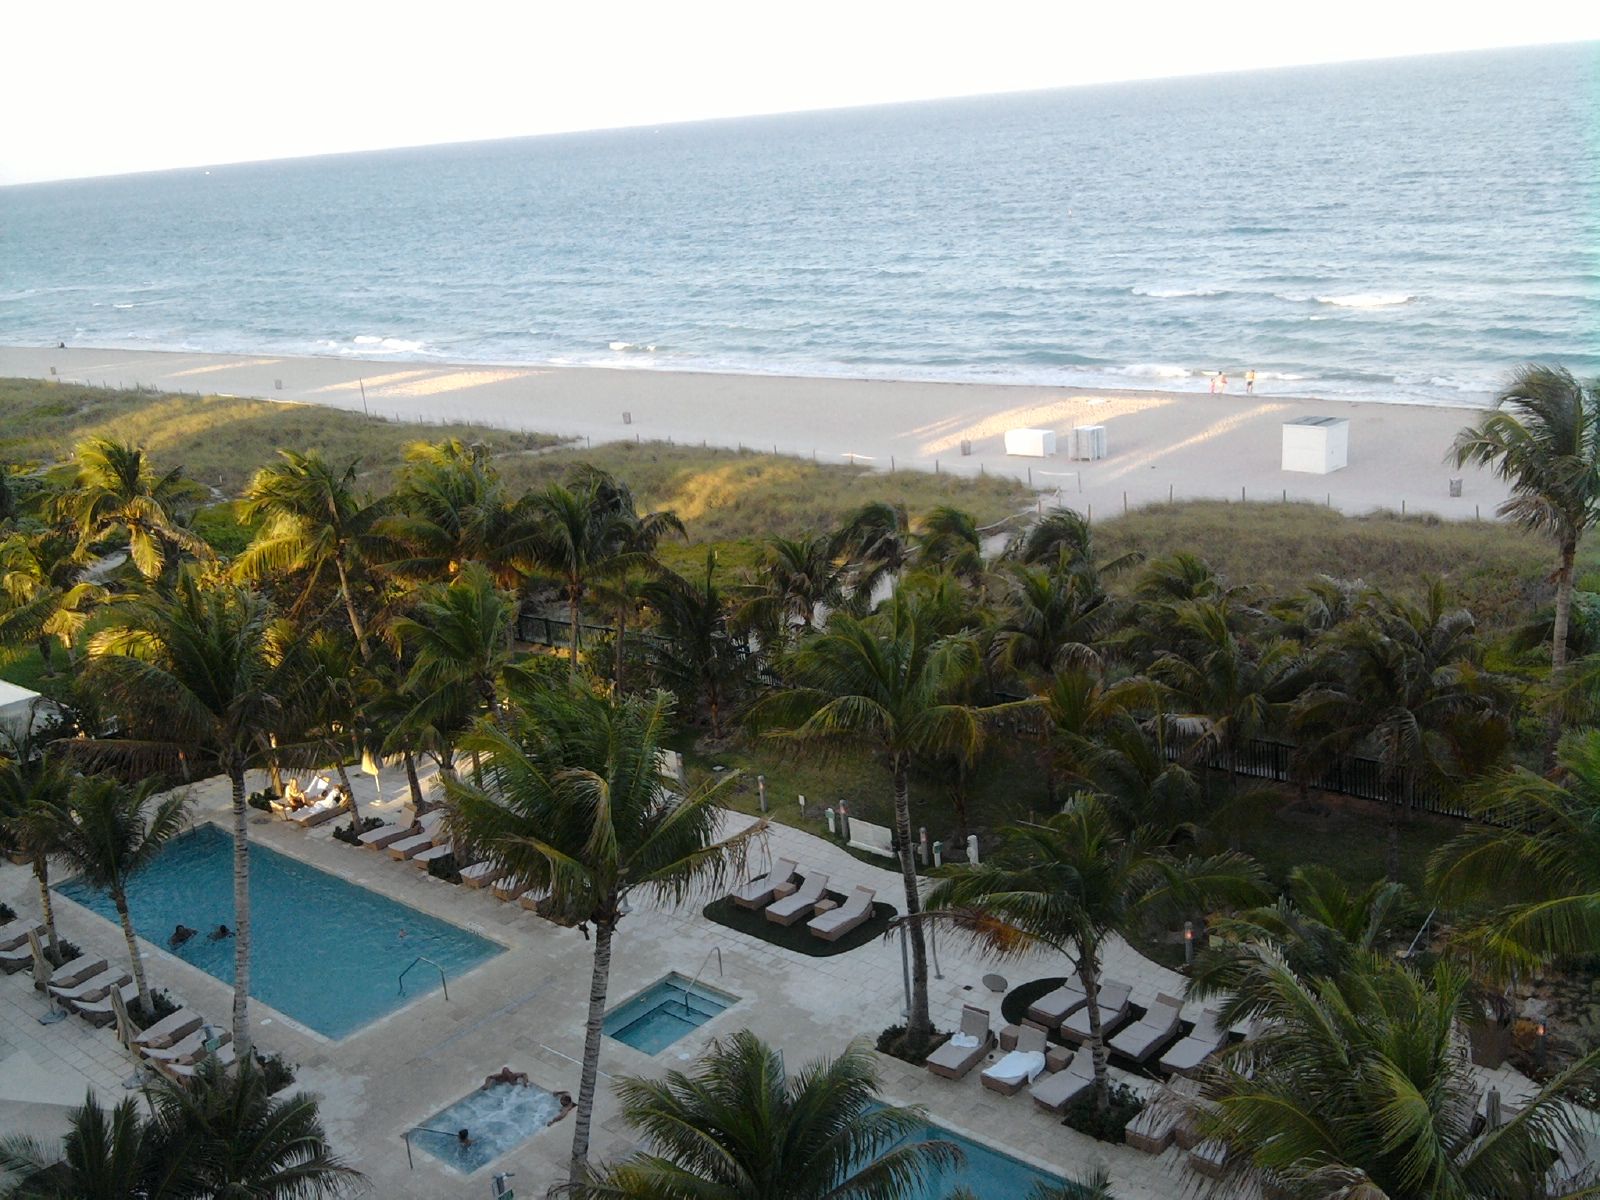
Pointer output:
x,y
1172,293
1367,299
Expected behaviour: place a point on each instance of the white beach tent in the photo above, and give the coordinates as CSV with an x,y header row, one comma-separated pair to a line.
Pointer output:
x,y
22,710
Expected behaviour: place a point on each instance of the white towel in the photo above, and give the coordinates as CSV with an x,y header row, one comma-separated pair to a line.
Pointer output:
x,y
1017,1066
964,1041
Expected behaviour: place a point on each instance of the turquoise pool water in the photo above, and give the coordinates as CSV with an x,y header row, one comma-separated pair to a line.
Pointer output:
x,y
664,1012
987,1173
495,1118
323,951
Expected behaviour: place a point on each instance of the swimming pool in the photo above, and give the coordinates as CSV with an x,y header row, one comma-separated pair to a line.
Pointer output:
x,y
987,1173
664,1012
496,1119
323,951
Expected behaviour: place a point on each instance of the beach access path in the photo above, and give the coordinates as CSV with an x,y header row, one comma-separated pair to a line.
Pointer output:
x,y
1161,445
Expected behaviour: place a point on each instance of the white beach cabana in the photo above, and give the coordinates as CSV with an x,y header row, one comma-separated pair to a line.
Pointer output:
x,y
22,710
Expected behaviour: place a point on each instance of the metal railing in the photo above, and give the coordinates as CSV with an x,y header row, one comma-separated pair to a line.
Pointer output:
x,y
689,991
431,963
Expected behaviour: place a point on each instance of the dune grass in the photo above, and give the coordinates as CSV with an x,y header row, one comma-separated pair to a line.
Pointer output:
x,y
1499,573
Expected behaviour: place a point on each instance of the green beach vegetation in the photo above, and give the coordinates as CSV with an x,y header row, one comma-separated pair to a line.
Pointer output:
x,y
1147,725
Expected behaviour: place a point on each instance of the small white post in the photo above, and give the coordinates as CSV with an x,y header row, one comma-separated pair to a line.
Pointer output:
x,y
972,849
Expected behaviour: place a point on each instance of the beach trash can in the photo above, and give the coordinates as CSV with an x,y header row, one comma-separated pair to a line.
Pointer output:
x,y
966,447
1455,488
1089,443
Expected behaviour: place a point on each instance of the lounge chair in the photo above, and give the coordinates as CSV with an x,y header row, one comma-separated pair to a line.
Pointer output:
x,y
1152,1130
481,874
1578,1164
93,988
1052,1008
834,924
1021,1066
508,889
186,1049
427,831
171,1028
758,892
104,1010
432,854
1113,1005
1207,1037
182,1072
385,836
1209,1158
1152,1031
70,974
786,910
326,809
15,933
966,1047
533,899
1054,1092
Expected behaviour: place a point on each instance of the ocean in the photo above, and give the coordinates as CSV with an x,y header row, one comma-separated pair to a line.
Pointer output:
x,y
1396,231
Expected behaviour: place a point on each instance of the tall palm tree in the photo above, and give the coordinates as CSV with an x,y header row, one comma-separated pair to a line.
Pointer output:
x,y
200,679
312,520
948,540
109,833
1064,541
106,1155
887,683
225,1134
694,654
48,597
35,790
114,489
1543,437
742,1128
573,802
1072,882
876,543
1359,1082
1051,620
1534,857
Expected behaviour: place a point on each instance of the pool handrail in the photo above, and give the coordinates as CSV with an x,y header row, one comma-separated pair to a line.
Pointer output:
x,y
424,959
689,991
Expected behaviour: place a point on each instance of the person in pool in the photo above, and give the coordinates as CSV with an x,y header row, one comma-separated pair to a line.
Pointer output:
x,y
180,935
506,1075
463,1138
220,932
565,1100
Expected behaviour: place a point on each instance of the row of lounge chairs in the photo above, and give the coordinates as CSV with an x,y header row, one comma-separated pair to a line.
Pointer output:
x,y
1066,1011
783,901
426,840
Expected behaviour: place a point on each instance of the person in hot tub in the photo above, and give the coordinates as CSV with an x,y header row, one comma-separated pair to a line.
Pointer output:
x,y
506,1075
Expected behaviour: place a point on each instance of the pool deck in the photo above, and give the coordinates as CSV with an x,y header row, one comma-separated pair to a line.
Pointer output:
x,y
527,1007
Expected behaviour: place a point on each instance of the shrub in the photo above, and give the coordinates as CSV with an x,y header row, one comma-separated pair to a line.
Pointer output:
x,y
350,834
277,1073
65,952
162,1006
1083,1116
7,913
894,1042
445,868
261,800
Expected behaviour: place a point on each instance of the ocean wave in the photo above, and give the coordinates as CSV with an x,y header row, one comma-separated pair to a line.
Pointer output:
x,y
1152,371
370,342
632,347
1366,299
1173,293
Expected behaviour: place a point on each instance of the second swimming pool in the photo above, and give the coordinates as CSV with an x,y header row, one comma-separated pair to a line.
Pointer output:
x,y
323,951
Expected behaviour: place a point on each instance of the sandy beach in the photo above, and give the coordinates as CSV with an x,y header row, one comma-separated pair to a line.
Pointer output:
x,y
1159,444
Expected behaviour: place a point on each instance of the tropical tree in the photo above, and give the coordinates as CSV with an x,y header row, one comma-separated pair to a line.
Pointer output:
x,y
948,540
1064,541
35,789
742,1128
1359,1082
109,832
1543,438
877,545
106,1155
693,653
1072,882
113,489
1051,620
887,683
311,521
794,580
48,596
200,679
1533,855
573,803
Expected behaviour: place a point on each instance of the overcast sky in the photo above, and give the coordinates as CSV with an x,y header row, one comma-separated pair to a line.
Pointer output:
x,y
95,88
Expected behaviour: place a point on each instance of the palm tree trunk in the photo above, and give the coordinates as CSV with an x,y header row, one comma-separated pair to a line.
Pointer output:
x,y
1558,641
1089,975
918,1025
344,782
418,804
41,872
1392,856
135,960
621,655
241,916
599,981
350,610
574,590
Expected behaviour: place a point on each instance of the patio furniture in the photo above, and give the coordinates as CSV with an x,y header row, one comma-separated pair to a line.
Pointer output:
x,y
188,1048
104,1010
70,974
1021,1066
1209,1158
1052,1008
1113,1006
325,809
831,926
93,988
1054,1092
183,1072
508,889
432,854
1152,1031
385,836
1152,1130
786,910
481,874
758,892
1207,1037
171,1028
15,933
428,830
966,1046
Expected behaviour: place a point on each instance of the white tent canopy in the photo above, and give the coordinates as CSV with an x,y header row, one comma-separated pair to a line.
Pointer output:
x,y
20,709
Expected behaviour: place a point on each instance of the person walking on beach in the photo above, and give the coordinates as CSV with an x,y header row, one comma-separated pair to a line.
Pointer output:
x,y
1250,383
1222,382
1215,375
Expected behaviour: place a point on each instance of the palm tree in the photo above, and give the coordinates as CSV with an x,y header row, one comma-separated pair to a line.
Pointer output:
x,y
114,489
311,520
1543,437
573,802
948,540
104,1156
1536,842
876,543
1064,541
741,1128
202,677
693,653
1359,1082
35,788
887,683
225,1134
1051,620
110,832
1072,882
49,599
794,580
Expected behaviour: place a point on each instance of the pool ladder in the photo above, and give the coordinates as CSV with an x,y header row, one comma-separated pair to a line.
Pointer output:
x,y
431,963
689,991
